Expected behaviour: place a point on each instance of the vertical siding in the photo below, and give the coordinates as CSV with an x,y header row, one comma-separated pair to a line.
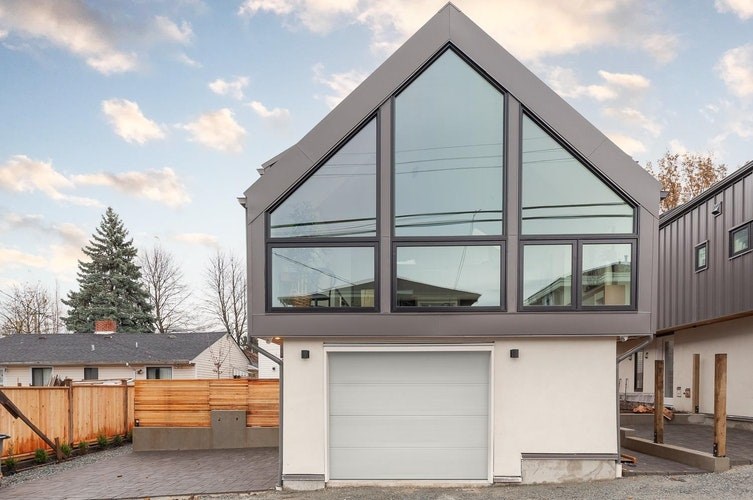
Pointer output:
x,y
687,297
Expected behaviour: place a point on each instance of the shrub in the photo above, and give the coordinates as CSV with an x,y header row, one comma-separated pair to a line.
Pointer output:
x,y
117,440
10,460
40,455
83,447
102,440
129,436
66,449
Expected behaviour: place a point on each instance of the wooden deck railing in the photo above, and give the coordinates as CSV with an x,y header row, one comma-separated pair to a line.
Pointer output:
x,y
188,403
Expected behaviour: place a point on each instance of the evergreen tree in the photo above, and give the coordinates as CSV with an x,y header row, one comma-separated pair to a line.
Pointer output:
x,y
109,283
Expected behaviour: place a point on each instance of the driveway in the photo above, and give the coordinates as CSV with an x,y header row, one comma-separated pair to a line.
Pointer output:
x,y
150,474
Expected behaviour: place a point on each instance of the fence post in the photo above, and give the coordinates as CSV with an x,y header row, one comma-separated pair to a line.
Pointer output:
x,y
720,405
69,384
124,383
659,401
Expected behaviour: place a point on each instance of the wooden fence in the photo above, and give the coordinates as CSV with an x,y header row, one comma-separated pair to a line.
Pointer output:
x,y
188,403
73,414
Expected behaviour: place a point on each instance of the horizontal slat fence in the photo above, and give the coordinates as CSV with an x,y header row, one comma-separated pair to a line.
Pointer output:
x,y
73,414
188,403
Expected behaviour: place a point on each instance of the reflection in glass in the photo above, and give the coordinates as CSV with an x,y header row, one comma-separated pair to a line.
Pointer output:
x,y
561,195
444,276
606,275
547,275
740,240
339,199
701,254
323,277
448,153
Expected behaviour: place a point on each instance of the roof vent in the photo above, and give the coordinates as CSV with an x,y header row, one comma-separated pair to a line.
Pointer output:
x,y
92,347
717,211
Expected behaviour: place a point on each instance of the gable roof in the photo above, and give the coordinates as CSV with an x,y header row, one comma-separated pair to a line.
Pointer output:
x,y
450,26
98,349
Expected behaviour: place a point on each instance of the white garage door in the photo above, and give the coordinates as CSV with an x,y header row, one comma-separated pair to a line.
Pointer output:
x,y
408,415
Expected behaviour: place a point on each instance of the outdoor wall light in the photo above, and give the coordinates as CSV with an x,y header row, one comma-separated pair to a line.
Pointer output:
x,y
305,354
717,211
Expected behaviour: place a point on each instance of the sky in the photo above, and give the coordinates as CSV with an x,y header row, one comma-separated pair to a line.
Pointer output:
x,y
165,109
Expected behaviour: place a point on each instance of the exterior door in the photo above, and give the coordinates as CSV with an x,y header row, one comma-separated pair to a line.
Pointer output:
x,y
409,415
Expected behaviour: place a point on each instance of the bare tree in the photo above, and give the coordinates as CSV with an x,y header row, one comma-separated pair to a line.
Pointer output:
x,y
163,279
29,309
219,358
225,301
684,176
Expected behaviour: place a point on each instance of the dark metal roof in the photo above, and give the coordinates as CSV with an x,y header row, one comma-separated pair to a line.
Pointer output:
x,y
712,191
97,349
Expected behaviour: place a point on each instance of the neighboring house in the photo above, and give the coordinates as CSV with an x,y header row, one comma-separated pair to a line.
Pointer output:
x,y
403,249
267,367
705,300
34,360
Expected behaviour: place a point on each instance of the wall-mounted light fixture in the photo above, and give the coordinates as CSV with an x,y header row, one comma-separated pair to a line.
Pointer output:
x,y
717,211
140,371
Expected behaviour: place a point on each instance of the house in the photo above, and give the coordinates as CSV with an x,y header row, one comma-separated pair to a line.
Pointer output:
x,y
268,369
35,360
705,301
402,249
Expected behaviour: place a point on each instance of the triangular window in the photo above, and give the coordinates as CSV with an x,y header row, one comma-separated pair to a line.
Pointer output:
x,y
562,196
449,130
339,199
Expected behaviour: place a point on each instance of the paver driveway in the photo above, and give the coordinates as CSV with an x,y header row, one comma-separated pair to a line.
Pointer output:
x,y
158,473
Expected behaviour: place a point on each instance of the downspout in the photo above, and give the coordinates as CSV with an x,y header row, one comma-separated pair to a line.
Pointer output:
x,y
277,360
621,358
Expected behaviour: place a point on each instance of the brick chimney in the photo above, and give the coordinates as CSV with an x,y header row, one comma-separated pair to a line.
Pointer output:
x,y
105,326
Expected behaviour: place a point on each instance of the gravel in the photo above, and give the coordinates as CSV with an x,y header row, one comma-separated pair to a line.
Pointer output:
x,y
734,484
73,463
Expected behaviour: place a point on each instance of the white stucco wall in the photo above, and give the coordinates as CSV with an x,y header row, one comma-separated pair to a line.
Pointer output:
x,y
627,373
267,367
557,397
235,362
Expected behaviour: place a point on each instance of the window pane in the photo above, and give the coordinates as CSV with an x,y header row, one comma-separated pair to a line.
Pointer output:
x,y
443,276
606,274
159,372
700,257
339,199
448,153
740,240
41,376
91,373
323,277
547,275
561,195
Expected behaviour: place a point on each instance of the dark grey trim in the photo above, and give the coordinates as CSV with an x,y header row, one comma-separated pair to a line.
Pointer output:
x,y
696,267
570,456
730,240
633,275
303,477
521,274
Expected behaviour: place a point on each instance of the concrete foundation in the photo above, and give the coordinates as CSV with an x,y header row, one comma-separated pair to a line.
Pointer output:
x,y
536,471
694,458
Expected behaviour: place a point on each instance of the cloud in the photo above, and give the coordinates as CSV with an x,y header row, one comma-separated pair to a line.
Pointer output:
x,y
232,88
21,174
675,146
170,31
184,59
629,81
12,258
70,25
217,130
628,144
162,186
130,123
340,84
633,116
530,30
198,239
613,85
741,8
736,70
278,117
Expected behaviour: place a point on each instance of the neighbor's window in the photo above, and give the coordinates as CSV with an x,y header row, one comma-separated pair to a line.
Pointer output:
x,y
91,373
739,240
448,276
159,372
606,274
638,371
323,277
41,376
547,275
702,256
449,130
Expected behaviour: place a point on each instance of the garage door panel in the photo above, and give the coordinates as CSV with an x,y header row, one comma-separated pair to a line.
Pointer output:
x,y
409,399
401,463
416,432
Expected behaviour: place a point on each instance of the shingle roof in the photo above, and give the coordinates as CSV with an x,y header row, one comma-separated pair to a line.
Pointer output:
x,y
116,348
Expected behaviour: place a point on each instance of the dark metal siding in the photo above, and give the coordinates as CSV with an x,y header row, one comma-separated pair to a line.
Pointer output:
x,y
726,287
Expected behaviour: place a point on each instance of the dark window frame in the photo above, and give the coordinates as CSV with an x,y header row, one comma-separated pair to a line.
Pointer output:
x,y
434,242
308,243
576,302
88,370
696,267
639,356
161,367
32,384
731,240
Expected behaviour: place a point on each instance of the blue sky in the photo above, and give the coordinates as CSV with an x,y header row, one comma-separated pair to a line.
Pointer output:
x,y
164,109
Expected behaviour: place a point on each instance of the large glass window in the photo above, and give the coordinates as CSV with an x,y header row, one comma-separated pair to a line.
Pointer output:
x,y
561,195
448,276
449,153
606,274
339,199
316,277
547,275
41,376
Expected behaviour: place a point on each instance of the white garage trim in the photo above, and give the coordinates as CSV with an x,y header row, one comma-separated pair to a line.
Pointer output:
x,y
335,348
